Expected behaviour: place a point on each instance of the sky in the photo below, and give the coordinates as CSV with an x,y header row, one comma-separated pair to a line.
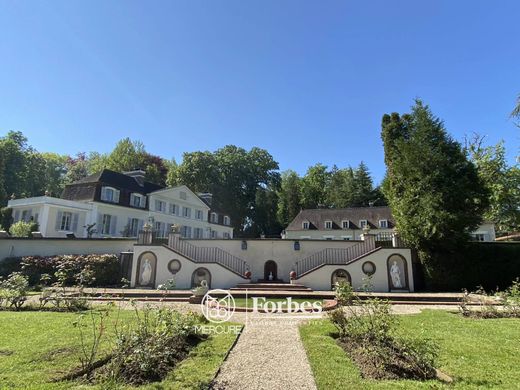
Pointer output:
x,y
307,80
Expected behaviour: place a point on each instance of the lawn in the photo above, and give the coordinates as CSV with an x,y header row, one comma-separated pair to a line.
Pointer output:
x,y
37,347
475,353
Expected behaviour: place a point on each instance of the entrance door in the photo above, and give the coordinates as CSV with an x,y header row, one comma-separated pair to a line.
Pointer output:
x,y
270,267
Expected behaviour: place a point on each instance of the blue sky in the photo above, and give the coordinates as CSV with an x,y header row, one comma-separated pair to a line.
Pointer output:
x,y
307,80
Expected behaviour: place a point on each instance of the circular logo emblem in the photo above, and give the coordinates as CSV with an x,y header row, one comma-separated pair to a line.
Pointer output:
x,y
218,306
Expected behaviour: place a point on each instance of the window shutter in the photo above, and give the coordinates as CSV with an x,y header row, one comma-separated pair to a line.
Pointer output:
x,y
113,225
75,218
103,193
99,224
58,220
116,196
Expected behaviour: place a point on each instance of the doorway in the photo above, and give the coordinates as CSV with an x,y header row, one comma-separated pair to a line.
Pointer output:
x,y
270,268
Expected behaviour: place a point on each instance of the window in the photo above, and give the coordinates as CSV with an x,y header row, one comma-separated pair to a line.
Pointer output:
x,y
479,237
328,224
329,238
305,225
109,194
226,235
66,220
345,224
160,229
213,217
26,215
296,245
173,208
137,200
227,221
186,212
198,214
133,227
182,195
363,223
160,206
197,233
105,225
186,231
346,238
383,223
214,234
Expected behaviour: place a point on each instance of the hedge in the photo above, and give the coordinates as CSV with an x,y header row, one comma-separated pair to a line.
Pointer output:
x,y
104,269
491,265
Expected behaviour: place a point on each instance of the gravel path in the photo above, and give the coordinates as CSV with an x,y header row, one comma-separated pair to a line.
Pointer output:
x,y
269,355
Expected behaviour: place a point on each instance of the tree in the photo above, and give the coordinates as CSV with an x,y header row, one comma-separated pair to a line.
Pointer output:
x,y
289,199
340,189
55,170
233,175
363,186
314,185
502,181
76,168
435,192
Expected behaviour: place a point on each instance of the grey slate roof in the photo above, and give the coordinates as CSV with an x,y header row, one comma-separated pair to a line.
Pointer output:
x,y
317,217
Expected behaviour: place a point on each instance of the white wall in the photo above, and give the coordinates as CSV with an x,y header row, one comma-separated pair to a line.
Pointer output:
x,y
281,251
220,276
10,247
320,279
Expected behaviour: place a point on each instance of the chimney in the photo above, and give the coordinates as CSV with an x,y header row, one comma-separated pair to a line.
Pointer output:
x,y
138,176
206,197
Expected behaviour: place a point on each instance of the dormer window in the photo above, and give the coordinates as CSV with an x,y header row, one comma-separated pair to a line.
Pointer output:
x,y
345,224
383,223
328,224
227,221
213,217
137,200
109,194
305,225
363,223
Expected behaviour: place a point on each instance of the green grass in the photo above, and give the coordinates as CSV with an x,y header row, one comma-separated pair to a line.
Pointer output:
x,y
37,347
243,302
483,354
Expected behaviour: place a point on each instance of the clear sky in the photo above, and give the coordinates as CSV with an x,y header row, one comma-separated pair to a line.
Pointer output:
x,y
307,80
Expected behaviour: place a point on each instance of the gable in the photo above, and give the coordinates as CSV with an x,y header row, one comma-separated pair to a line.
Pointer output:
x,y
175,195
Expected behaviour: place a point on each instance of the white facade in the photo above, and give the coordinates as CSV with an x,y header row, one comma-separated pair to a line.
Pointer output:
x,y
178,205
285,254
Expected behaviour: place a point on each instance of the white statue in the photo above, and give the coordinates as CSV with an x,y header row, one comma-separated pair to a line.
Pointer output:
x,y
146,273
395,273
271,276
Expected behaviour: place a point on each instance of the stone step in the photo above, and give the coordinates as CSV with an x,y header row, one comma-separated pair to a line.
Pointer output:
x,y
271,287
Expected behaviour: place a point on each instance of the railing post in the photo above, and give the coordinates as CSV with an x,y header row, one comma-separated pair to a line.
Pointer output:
x,y
174,237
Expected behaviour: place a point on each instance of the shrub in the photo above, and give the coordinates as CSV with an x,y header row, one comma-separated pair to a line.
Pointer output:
x,y
9,265
6,217
148,352
91,270
500,304
344,293
13,291
23,229
367,332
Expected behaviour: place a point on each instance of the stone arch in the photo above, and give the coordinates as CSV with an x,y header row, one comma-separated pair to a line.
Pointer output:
x,y
338,275
199,275
146,270
398,274
270,266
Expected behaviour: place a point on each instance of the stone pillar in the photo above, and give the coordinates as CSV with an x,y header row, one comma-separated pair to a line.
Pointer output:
x,y
396,240
369,238
174,237
146,235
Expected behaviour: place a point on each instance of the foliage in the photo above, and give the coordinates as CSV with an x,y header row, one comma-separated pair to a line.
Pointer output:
x,y
13,291
313,187
234,176
160,340
9,265
489,264
289,199
367,331
502,181
95,270
23,229
435,193
344,293
499,304
169,285
6,217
